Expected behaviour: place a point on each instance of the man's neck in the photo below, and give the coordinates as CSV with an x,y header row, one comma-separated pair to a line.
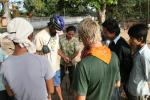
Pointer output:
x,y
19,51
68,38
142,45
116,39
94,45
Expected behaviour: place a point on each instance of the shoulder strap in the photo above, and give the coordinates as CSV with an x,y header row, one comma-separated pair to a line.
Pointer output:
x,y
49,40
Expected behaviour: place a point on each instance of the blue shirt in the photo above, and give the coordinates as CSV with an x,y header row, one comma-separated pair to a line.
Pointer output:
x,y
140,74
3,56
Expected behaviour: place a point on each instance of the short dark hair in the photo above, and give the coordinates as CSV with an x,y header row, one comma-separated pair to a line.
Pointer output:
x,y
112,26
71,28
139,31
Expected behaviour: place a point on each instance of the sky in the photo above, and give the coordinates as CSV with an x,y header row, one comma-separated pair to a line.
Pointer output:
x,y
12,1
15,0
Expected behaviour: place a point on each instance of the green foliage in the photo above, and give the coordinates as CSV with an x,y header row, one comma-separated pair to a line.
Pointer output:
x,y
98,4
119,9
71,7
50,7
128,9
41,7
1,12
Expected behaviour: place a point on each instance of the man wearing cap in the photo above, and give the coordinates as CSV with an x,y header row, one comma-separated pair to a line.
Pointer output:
x,y
47,44
26,76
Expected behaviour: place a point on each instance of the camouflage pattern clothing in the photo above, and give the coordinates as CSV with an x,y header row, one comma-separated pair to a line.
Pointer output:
x,y
69,48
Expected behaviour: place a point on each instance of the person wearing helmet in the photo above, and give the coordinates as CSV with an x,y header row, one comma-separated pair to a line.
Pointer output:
x,y
47,44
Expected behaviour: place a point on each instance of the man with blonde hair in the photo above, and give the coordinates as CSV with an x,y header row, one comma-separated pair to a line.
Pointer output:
x,y
95,76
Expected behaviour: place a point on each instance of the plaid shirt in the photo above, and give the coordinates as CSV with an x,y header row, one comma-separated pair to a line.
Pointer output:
x,y
69,48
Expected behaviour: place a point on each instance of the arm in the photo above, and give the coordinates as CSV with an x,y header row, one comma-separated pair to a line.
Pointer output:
x,y
80,83
63,56
117,84
118,77
60,50
49,85
4,81
66,59
75,55
80,98
9,91
39,52
61,53
145,62
77,49
125,59
39,44
48,73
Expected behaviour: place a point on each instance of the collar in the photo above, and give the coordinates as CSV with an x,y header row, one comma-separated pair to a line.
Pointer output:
x,y
65,37
59,32
117,38
143,48
103,53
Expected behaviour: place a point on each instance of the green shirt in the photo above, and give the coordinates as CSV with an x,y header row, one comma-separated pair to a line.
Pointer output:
x,y
69,48
95,79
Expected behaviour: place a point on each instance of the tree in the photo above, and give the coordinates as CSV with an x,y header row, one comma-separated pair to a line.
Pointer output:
x,y
50,7
71,7
119,9
126,9
29,5
83,5
100,6
36,6
41,7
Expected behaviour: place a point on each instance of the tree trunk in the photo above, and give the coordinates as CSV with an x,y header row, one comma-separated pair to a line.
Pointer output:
x,y
6,10
102,14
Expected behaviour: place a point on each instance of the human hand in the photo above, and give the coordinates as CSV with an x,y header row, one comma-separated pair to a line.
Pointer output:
x,y
49,97
66,59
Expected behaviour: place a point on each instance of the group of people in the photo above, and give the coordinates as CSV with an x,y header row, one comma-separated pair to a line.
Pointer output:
x,y
107,67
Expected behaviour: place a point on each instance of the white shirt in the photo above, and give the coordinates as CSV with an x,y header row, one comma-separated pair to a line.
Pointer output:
x,y
140,74
42,38
117,39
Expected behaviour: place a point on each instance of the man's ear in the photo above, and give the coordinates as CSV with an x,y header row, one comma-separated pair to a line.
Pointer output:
x,y
30,37
140,39
113,34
